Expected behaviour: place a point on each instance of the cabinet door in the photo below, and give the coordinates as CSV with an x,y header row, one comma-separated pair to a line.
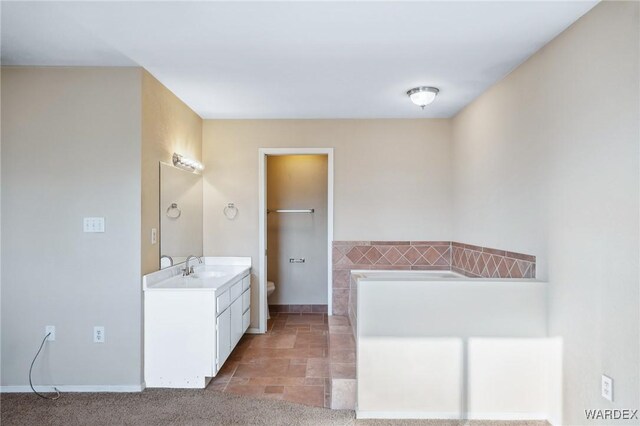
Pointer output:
x,y
236,321
223,328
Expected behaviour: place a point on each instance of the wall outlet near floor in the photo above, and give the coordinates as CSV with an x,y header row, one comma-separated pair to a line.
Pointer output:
x,y
607,388
93,224
50,329
154,235
98,334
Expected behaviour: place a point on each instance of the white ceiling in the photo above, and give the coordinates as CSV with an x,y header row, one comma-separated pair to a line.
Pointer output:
x,y
294,59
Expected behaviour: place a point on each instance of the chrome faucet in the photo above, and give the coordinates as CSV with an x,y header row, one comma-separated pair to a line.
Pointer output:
x,y
188,270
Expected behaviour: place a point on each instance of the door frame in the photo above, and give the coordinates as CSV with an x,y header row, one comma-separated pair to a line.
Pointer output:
x,y
262,222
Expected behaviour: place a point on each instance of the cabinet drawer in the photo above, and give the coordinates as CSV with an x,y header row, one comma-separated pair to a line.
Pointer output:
x,y
236,290
246,300
246,319
246,282
222,302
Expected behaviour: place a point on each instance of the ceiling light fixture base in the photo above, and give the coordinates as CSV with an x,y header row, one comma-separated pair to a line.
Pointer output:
x,y
423,95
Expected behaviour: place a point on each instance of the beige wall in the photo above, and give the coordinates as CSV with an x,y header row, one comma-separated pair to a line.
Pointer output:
x,y
391,179
297,182
168,126
70,149
547,162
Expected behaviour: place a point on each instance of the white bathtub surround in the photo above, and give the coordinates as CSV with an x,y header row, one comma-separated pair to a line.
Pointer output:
x,y
454,347
192,323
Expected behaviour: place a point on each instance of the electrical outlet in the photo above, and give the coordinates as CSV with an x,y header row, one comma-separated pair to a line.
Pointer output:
x,y
98,334
154,235
607,388
93,224
50,329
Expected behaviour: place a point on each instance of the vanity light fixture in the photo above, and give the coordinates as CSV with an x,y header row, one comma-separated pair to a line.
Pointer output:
x,y
187,163
423,95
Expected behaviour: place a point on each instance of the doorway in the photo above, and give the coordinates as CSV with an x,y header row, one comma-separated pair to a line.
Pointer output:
x,y
295,229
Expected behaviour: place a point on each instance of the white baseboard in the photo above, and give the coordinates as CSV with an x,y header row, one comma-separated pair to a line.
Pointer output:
x,y
507,416
447,415
74,388
406,415
254,330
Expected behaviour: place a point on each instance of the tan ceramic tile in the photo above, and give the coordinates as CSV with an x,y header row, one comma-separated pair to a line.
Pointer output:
x,y
340,301
341,342
340,329
274,389
338,320
308,395
297,370
341,278
343,394
279,324
226,372
245,389
287,330
319,327
287,315
261,354
319,309
327,400
311,341
318,370
307,318
312,331
300,308
348,356
297,327
320,360
317,352
270,368
343,371
273,341
277,381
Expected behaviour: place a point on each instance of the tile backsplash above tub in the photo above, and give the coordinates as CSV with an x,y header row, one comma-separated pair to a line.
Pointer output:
x,y
472,261
483,262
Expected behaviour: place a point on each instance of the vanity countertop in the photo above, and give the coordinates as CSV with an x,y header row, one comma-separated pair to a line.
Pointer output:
x,y
215,274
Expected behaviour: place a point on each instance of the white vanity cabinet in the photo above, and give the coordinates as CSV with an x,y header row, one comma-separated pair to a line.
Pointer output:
x,y
191,327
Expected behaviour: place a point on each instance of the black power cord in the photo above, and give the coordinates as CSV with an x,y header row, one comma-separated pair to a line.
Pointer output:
x,y
53,398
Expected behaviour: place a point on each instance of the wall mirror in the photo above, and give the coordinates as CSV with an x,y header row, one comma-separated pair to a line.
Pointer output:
x,y
180,215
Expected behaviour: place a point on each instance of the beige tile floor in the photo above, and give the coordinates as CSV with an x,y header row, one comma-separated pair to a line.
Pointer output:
x,y
290,362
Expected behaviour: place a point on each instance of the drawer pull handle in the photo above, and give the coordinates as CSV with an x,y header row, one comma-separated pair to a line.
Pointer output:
x,y
301,260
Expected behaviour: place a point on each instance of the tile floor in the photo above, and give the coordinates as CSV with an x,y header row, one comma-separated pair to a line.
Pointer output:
x,y
291,361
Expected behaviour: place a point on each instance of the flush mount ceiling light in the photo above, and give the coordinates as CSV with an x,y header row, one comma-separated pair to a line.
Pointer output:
x,y
187,163
423,95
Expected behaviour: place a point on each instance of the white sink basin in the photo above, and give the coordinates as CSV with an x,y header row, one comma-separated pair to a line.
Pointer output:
x,y
210,274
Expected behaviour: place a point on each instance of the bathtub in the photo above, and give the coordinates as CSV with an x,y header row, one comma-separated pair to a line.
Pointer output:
x,y
436,344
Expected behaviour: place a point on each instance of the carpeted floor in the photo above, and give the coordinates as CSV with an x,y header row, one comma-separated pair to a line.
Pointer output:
x,y
183,407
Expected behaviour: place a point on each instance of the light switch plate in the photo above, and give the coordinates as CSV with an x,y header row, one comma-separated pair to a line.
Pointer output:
x,y
154,235
607,388
98,334
94,224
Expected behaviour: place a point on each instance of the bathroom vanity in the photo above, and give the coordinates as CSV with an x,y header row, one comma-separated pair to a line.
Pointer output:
x,y
192,323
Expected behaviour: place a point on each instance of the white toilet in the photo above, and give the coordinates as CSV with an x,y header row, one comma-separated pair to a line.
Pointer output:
x,y
271,287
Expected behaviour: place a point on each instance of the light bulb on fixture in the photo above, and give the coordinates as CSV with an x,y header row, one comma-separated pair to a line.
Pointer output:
x,y
187,163
423,95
